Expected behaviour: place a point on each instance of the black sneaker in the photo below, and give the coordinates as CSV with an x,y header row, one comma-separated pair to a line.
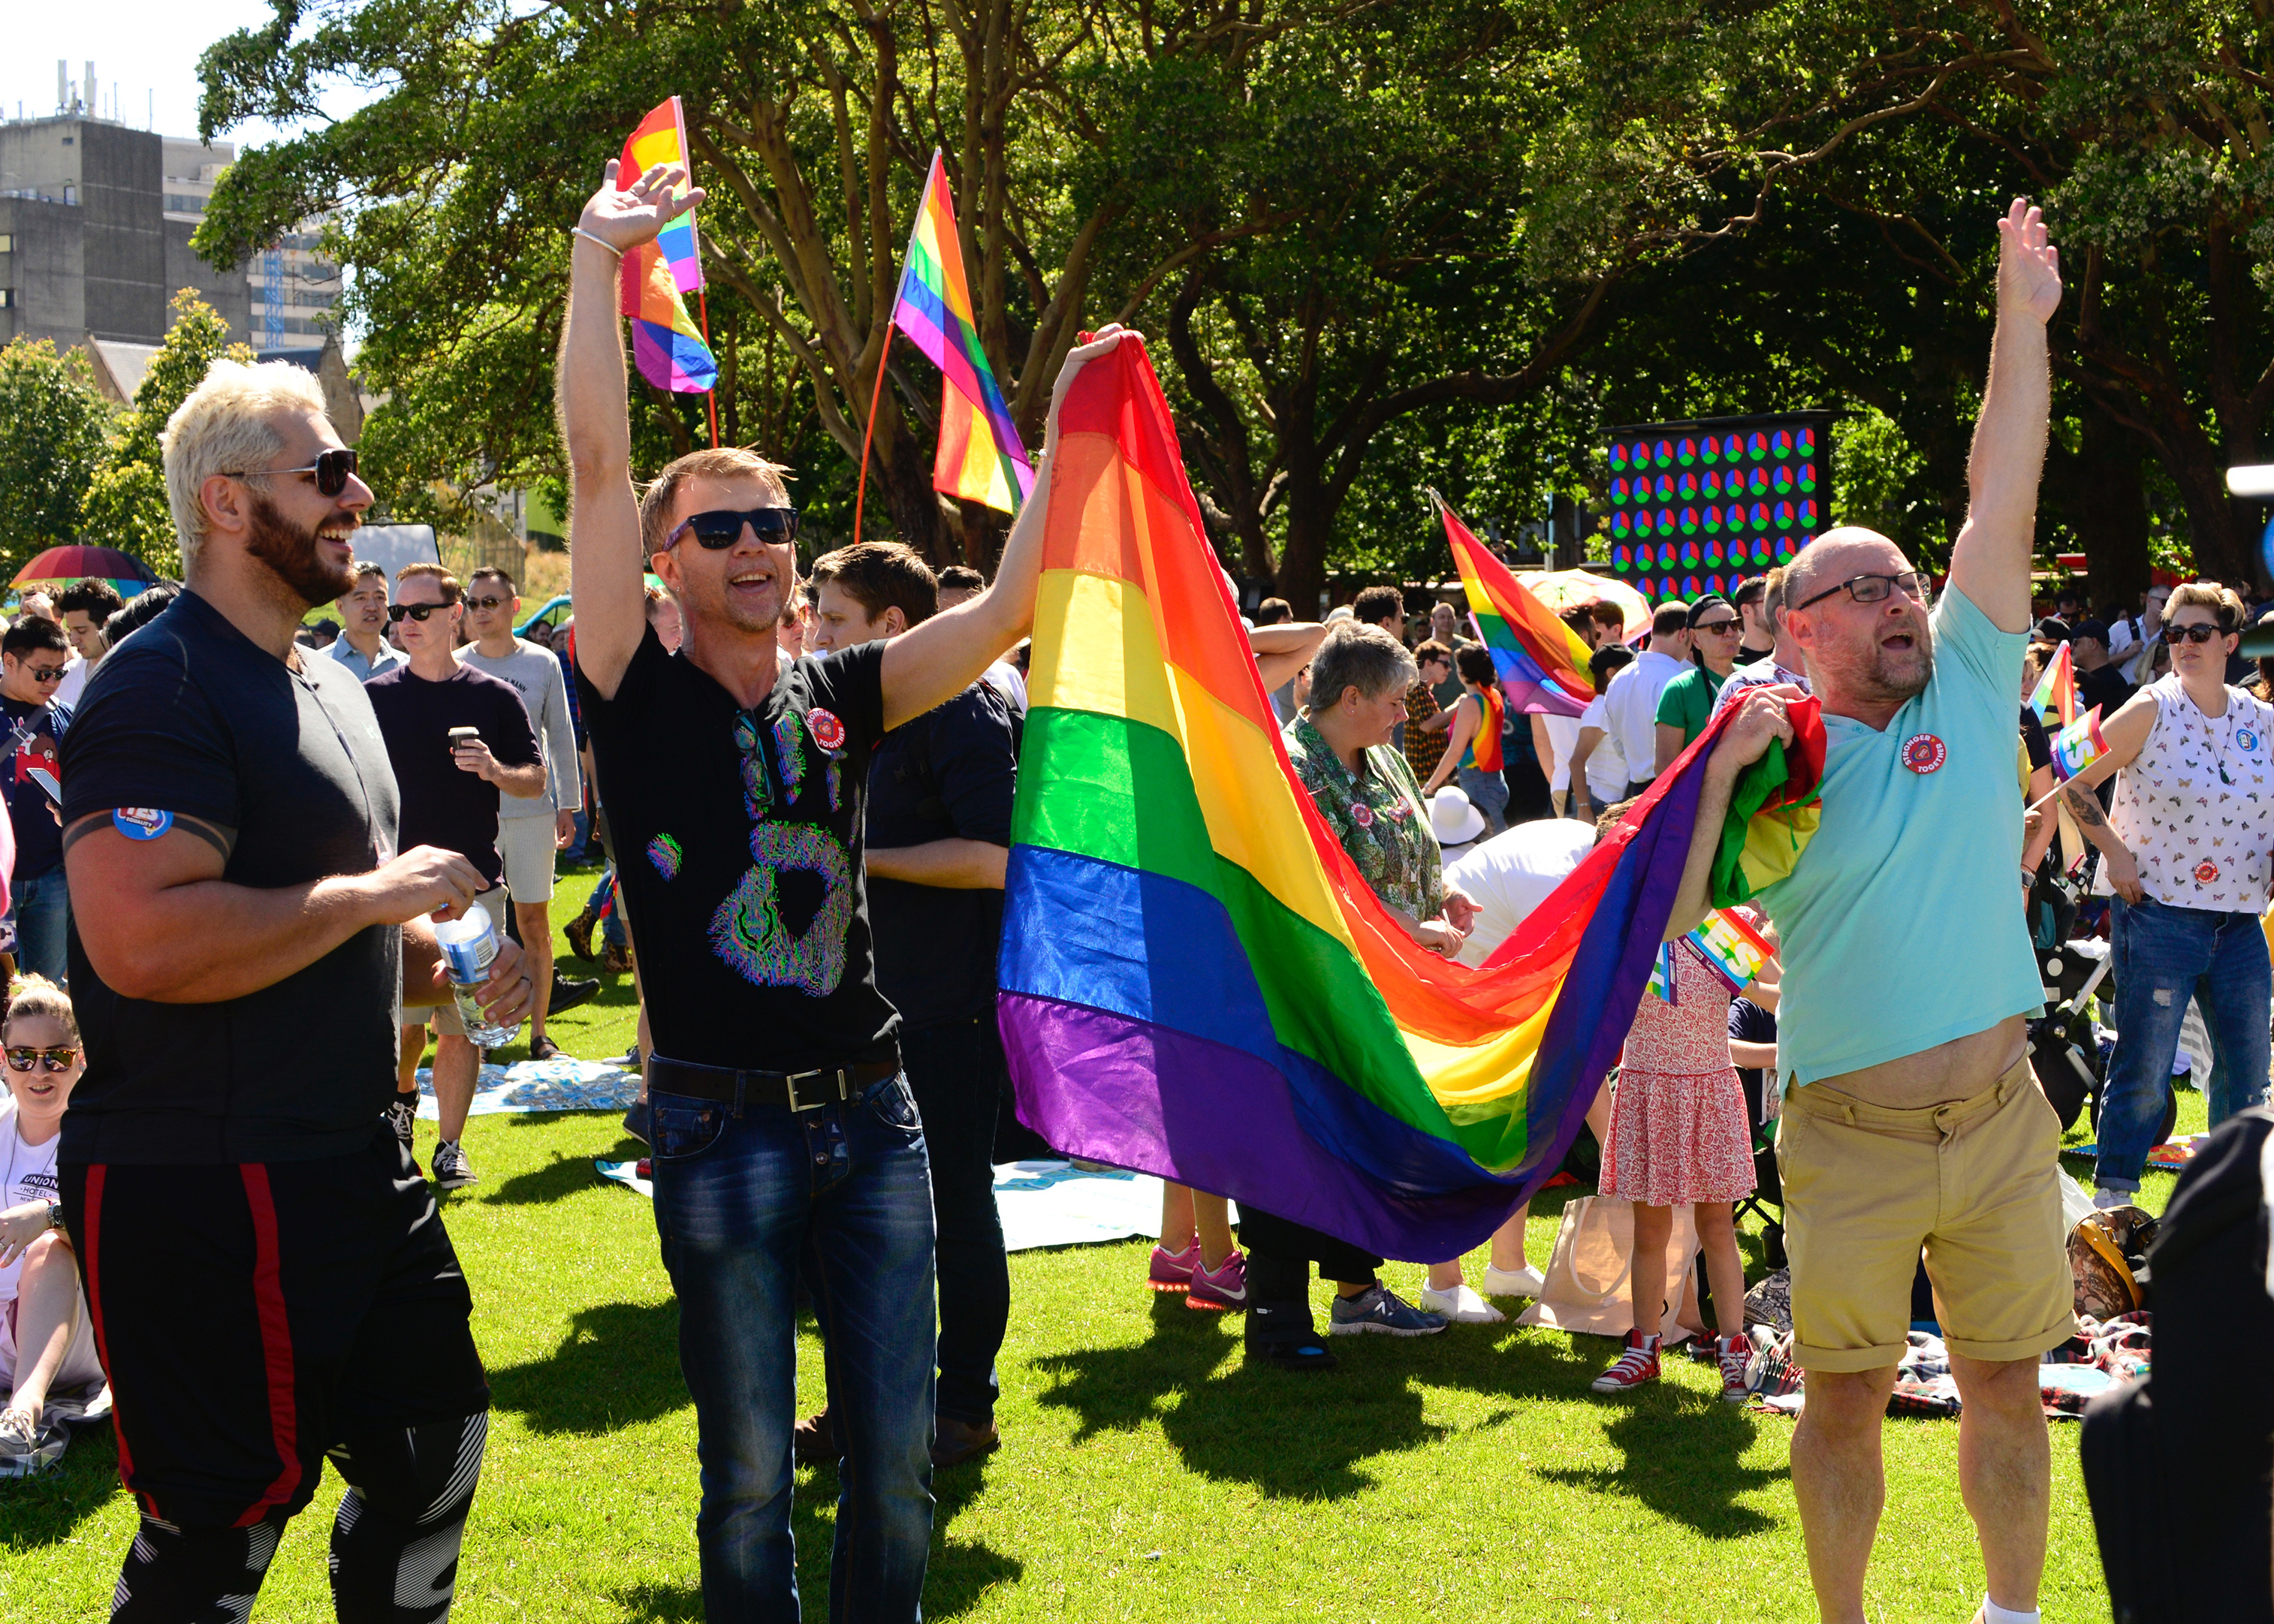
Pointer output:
x,y
452,1169
403,1117
635,1121
567,992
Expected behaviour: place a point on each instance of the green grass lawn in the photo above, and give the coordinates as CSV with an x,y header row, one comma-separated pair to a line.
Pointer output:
x,y
1146,1472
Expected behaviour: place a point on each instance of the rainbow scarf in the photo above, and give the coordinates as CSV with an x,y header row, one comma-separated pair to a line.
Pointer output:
x,y
1195,980
1542,663
654,277
980,458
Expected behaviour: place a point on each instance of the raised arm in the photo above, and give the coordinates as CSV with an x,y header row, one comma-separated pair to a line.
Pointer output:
x,y
930,664
1991,561
1283,649
604,562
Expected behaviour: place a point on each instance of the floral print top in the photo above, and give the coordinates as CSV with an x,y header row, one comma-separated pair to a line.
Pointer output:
x,y
1378,814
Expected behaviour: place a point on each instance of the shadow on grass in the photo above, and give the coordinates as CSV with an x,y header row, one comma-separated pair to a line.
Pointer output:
x,y
48,1509
675,1603
617,1366
557,1179
1683,1461
961,1572
1287,1433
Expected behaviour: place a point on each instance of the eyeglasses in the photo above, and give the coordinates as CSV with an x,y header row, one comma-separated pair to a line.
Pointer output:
x,y
1874,588
2199,631
44,673
332,469
416,612
486,603
53,1059
1716,627
722,527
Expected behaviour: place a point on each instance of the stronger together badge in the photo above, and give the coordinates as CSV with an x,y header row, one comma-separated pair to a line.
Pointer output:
x,y
1923,753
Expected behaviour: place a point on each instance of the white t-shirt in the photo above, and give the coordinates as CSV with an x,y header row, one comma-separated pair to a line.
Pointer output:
x,y
1513,873
73,683
1607,766
1562,734
1008,683
1631,702
28,1173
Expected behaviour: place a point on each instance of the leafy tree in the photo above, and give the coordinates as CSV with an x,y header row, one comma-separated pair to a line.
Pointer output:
x,y
126,505
51,433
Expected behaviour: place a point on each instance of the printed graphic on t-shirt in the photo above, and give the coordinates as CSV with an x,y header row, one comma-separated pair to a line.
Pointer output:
x,y
751,929
2206,788
35,764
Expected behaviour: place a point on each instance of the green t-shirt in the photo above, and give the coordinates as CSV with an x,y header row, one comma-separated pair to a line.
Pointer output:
x,y
1687,702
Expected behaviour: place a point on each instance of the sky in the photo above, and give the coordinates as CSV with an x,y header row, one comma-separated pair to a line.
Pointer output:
x,y
145,50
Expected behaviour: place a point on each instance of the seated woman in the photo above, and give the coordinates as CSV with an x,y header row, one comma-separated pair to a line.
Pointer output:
x,y
46,1344
1342,747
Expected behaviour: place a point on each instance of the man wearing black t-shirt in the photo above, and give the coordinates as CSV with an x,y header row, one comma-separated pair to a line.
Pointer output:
x,y
940,837
450,787
783,1131
268,1276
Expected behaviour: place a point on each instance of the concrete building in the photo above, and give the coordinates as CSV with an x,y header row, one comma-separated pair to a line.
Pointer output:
x,y
291,286
88,250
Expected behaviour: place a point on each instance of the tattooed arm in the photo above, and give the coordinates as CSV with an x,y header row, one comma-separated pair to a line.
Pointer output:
x,y
2125,732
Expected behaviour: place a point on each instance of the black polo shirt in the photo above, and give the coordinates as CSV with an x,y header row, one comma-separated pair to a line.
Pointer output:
x,y
189,718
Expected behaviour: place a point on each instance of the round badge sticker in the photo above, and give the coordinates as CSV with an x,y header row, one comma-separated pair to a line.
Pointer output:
x,y
827,731
1923,753
1362,814
2246,737
2206,873
141,823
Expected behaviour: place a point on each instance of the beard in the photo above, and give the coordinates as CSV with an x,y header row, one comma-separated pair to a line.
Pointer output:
x,y
1876,674
294,557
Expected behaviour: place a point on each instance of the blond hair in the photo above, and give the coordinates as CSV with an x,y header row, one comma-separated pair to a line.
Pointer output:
x,y
226,426
35,996
2220,600
712,462
410,572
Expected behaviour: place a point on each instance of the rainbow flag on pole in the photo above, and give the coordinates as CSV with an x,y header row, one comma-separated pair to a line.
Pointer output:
x,y
2055,699
1196,982
1542,662
2078,746
655,277
980,458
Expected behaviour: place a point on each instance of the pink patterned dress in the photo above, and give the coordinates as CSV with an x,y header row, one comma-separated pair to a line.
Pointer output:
x,y
1678,1127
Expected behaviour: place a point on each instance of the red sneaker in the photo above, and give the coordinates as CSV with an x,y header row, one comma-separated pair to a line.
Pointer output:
x,y
1736,1354
1172,1271
1634,1367
1220,1288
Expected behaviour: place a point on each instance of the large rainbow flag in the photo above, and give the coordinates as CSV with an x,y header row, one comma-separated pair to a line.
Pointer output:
x,y
1542,663
655,278
980,458
1196,982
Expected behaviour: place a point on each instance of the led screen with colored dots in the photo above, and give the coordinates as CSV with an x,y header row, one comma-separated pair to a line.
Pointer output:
x,y
1695,507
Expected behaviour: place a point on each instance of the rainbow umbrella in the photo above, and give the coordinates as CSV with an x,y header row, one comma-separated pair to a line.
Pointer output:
x,y
1567,588
79,563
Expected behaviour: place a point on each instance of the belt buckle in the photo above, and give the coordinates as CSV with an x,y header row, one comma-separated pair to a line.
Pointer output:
x,y
792,1078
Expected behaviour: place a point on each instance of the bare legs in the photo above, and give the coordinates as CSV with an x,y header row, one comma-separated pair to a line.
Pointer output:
x,y
1506,1252
2005,1470
536,922
46,1314
456,1064
1185,1212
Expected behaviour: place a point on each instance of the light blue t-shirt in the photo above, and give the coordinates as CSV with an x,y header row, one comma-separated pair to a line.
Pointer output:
x,y
1902,924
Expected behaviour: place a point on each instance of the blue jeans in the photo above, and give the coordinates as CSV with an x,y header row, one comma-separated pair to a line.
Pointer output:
x,y
1488,793
2163,956
612,927
955,1068
40,907
742,1196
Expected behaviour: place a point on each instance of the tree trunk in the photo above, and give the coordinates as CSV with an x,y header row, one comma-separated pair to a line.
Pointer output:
x,y
2102,495
906,487
1311,505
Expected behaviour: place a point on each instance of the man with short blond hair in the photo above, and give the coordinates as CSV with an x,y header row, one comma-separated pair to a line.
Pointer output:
x,y
1911,1118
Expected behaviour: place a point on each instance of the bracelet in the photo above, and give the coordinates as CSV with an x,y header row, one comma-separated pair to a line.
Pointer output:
x,y
590,237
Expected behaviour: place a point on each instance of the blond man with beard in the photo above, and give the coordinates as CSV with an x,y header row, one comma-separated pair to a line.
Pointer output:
x,y
1911,1118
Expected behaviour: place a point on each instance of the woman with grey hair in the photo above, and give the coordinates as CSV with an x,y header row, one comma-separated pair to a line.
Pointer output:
x,y
1341,745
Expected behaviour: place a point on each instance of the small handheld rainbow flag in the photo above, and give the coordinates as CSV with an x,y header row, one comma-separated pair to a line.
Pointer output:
x,y
1732,949
2078,746
654,277
1542,663
2055,699
980,458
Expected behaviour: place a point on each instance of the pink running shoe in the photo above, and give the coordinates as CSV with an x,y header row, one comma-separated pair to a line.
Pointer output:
x,y
1221,1287
1636,1366
1736,1355
1172,1271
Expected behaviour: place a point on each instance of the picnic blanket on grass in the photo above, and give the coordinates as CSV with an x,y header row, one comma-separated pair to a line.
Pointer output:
x,y
562,1085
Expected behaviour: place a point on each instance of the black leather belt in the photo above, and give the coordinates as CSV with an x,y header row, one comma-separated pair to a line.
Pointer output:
x,y
798,1091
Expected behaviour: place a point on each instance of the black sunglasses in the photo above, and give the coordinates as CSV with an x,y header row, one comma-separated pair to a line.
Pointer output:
x,y
417,612
332,469
722,527
1715,626
2201,631
486,603
54,1059
1875,589
44,673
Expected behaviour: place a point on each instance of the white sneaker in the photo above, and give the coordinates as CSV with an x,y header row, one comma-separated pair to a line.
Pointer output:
x,y
1460,1304
2103,1199
28,1447
1525,1281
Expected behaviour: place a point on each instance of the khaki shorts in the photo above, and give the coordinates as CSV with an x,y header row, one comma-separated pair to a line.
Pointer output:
x,y
525,845
444,1014
1973,1182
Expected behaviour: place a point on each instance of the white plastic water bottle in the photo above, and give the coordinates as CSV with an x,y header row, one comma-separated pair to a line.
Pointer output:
x,y
469,946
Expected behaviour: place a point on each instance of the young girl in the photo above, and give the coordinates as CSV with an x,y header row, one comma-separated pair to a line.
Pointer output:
x,y
45,1341
1474,751
1202,1263
1679,1135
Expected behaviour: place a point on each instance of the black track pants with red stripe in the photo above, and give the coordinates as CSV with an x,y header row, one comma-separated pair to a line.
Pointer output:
x,y
254,1317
